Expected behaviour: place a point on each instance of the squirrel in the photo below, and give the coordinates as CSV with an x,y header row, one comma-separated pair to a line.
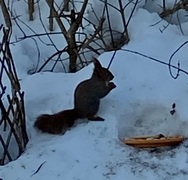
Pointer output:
x,y
87,97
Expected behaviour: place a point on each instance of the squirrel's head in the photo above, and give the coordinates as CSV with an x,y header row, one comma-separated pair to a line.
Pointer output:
x,y
103,74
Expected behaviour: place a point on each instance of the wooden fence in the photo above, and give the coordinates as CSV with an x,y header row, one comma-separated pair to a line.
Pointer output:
x,y
13,135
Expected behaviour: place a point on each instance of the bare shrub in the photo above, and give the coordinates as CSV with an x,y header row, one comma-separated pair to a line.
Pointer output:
x,y
84,38
174,12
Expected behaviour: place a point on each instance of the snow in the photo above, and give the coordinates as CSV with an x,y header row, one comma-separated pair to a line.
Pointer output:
x,y
140,105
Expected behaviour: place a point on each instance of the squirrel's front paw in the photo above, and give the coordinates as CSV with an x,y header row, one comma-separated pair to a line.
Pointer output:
x,y
112,85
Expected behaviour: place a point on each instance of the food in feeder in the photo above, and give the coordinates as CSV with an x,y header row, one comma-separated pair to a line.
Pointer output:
x,y
154,141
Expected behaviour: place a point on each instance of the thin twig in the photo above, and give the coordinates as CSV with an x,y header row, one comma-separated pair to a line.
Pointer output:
x,y
170,60
111,59
38,168
156,60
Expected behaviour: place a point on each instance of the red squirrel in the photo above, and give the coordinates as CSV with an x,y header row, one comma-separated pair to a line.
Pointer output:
x,y
87,97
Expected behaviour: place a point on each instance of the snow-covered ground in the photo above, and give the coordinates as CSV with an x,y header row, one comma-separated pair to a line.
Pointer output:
x,y
140,105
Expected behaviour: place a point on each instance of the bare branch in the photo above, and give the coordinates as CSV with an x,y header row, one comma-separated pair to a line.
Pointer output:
x,y
56,16
5,14
31,9
183,4
160,61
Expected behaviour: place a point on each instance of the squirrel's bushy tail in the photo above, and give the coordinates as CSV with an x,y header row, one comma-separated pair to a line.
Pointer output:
x,y
56,123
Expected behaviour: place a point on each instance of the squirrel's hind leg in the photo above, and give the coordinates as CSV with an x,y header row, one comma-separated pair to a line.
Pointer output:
x,y
95,118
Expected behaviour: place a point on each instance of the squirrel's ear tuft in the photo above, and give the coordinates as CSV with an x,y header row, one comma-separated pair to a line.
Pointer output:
x,y
97,63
